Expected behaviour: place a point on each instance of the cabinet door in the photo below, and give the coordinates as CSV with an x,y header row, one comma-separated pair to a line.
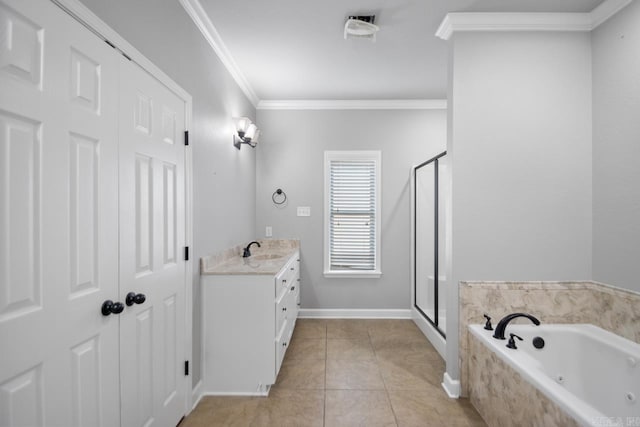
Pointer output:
x,y
289,302
292,289
295,292
152,237
58,220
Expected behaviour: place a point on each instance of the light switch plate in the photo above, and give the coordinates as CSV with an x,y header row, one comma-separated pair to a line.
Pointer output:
x,y
304,211
268,231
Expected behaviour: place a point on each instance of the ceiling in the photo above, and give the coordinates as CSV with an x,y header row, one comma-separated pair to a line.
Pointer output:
x,y
295,50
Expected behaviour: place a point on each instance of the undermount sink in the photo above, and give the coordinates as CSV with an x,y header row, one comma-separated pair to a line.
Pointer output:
x,y
265,257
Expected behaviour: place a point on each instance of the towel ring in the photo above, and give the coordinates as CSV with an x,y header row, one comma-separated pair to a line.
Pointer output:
x,y
279,197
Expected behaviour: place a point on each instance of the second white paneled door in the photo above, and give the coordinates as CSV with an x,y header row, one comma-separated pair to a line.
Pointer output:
x,y
152,236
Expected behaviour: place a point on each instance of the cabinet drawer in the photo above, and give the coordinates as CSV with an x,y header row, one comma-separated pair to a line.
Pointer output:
x,y
293,296
294,266
283,283
296,290
281,345
282,308
288,276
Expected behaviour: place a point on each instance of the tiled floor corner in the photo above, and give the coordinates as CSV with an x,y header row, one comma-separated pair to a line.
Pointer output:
x,y
348,373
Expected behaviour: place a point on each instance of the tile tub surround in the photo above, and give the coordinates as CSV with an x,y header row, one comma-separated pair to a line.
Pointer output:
x,y
616,310
375,372
230,261
504,398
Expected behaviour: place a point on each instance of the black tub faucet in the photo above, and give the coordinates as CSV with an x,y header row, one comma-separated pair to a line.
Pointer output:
x,y
247,253
499,333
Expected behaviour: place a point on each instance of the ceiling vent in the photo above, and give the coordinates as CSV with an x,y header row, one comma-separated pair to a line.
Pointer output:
x,y
361,27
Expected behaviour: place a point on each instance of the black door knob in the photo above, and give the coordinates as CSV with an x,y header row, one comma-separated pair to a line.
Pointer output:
x,y
109,307
133,298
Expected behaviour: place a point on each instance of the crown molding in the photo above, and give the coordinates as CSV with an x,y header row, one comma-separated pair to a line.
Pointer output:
x,y
606,10
363,104
481,21
203,23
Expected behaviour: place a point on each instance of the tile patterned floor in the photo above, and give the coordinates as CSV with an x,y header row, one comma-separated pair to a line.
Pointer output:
x,y
348,373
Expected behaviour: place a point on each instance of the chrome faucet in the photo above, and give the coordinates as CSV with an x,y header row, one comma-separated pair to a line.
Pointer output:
x,y
247,253
499,333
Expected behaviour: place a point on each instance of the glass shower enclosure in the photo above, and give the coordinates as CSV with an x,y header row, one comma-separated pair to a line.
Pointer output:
x,y
430,261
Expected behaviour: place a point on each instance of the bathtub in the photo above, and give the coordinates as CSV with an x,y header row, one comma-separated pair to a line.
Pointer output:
x,y
591,374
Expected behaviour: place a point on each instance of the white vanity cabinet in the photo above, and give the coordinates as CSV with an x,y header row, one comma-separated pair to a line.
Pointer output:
x,y
287,291
248,321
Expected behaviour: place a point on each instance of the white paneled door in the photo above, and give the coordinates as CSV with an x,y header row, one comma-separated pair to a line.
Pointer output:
x,y
152,236
91,208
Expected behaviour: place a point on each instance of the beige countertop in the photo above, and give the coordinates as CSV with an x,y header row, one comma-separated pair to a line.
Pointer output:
x,y
268,259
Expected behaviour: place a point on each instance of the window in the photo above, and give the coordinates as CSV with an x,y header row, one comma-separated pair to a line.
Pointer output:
x,y
352,214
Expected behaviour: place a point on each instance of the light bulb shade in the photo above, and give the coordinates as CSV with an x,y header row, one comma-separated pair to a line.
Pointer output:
x,y
256,137
250,132
242,123
245,132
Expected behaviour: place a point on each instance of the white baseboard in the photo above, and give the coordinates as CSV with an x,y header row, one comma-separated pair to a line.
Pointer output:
x,y
196,395
451,386
236,393
338,313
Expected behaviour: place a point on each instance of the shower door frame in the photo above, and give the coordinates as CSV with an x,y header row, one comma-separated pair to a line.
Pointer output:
x,y
434,322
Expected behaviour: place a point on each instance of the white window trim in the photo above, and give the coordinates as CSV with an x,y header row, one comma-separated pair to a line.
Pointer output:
x,y
352,155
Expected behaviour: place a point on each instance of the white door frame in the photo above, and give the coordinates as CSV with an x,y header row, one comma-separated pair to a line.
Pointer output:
x,y
86,17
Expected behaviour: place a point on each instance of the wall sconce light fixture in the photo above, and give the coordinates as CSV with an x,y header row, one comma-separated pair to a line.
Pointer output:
x,y
246,132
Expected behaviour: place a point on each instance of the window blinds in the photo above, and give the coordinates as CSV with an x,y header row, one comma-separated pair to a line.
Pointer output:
x,y
352,228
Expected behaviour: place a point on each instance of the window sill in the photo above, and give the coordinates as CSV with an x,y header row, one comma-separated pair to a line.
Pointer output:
x,y
331,274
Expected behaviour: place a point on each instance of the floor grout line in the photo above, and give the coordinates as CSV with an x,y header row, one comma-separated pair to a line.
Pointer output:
x,y
384,383
393,411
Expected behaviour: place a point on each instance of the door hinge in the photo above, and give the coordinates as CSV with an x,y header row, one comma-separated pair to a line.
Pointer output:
x,y
186,253
186,137
119,50
186,367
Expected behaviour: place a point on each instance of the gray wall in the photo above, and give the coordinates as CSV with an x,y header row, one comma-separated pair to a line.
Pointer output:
x,y
291,157
616,150
224,178
520,146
